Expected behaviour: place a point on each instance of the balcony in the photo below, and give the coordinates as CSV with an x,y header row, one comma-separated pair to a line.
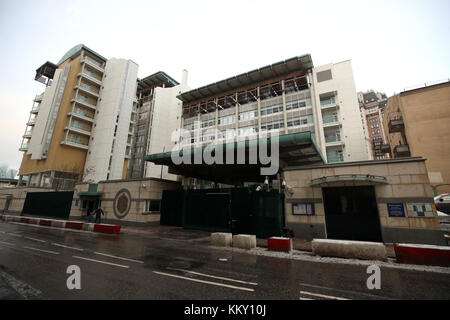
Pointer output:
x,y
28,134
333,139
81,115
396,125
24,147
84,103
94,64
331,121
84,130
31,122
88,89
402,151
76,143
35,109
39,97
386,148
329,103
335,159
90,77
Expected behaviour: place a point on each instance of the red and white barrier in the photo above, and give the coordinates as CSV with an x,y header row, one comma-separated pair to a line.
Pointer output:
x,y
62,224
279,244
422,254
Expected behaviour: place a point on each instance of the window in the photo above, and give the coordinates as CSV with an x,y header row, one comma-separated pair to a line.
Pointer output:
x,y
324,76
152,205
306,209
227,119
248,115
271,109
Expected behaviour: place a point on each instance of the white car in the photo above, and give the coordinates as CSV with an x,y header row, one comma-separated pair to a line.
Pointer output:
x,y
442,202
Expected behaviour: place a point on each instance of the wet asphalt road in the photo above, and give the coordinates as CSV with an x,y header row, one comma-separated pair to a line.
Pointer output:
x,y
179,264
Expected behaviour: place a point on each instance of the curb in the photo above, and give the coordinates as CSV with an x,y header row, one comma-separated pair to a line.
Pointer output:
x,y
62,224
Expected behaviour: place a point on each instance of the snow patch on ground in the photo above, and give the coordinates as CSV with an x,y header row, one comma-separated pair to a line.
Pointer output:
x,y
308,256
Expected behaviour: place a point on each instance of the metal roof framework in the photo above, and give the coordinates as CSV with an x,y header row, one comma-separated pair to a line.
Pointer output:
x,y
157,79
258,75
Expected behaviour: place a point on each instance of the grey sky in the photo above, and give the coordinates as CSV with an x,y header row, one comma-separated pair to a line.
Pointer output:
x,y
392,44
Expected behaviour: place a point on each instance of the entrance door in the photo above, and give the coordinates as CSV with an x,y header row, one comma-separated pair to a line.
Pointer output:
x,y
351,213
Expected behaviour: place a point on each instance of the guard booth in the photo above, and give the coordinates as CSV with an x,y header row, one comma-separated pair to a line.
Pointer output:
x,y
258,210
234,210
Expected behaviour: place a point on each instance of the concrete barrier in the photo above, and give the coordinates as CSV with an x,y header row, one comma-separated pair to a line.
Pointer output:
x,y
88,227
59,224
279,244
220,239
45,222
107,228
422,254
349,249
74,225
244,241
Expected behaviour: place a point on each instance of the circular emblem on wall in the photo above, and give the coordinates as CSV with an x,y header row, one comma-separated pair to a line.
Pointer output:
x,y
122,203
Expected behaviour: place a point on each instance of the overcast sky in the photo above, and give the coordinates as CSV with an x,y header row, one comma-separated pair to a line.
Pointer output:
x,y
393,44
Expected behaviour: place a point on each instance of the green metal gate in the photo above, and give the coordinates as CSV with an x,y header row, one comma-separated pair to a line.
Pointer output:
x,y
235,210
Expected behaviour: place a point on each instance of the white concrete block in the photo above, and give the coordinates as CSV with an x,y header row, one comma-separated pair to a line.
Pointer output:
x,y
244,241
221,239
58,224
88,227
349,249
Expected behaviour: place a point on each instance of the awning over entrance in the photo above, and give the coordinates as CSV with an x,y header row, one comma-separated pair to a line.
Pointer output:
x,y
92,192
324,181
295,149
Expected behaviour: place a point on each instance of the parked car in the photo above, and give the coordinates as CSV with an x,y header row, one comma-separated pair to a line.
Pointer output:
x,y
442,202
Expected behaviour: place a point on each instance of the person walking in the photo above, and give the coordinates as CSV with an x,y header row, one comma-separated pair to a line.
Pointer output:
x,y
98,215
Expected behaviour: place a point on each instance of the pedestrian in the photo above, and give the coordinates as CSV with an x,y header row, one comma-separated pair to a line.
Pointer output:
x,y
90,216
98,215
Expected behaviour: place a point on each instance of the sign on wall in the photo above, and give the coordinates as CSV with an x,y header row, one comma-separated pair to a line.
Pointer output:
x,y
305,209
420,210
396,210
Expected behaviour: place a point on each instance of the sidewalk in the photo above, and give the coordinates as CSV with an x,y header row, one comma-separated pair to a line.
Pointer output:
x,y
202,237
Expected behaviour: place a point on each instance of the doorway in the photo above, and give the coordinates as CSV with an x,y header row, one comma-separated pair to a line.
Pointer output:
x,y
351,213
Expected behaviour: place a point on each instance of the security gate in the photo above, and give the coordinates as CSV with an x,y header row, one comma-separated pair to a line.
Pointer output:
x,y
351,213
48,204
234,210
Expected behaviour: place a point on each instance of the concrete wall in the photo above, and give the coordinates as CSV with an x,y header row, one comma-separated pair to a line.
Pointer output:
x,y
426,115
135,191
408,183
17,198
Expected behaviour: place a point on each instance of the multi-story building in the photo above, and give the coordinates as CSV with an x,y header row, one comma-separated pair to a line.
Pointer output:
x,y
158,115
80,125
372,106
417,123
289,96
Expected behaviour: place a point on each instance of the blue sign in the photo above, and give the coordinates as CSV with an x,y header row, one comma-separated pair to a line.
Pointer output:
x,y
396,210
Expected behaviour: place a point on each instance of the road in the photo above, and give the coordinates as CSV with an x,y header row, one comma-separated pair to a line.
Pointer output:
x,y
178,264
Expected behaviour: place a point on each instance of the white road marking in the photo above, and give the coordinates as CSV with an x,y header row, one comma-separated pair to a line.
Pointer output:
x,y
14,235
203,281
306,299
116,257
67,247
215,277
7,243
34,239
344,291
99,261
322,295
40,250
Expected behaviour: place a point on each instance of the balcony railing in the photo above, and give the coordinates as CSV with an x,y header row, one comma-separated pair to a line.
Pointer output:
x,y
24,146
92,62
35,109
39,97
335,158
396,125
333,138
402,151
87,88
31,122
386,148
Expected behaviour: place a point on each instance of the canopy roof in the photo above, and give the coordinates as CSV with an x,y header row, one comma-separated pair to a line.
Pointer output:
x,y
295,149
157,79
